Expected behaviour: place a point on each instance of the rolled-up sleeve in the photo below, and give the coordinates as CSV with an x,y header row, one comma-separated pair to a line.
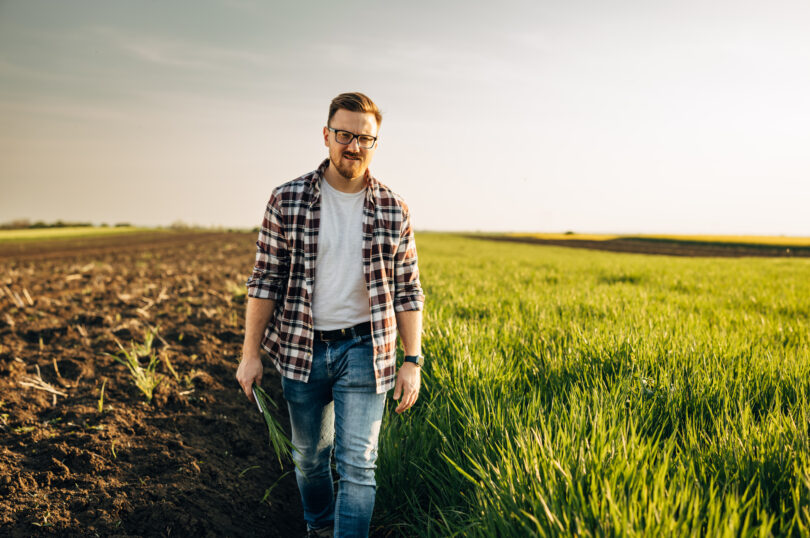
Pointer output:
x,y
408,294
271,270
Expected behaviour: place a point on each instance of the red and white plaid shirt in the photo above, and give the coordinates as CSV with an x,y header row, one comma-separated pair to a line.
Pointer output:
x,y
285,272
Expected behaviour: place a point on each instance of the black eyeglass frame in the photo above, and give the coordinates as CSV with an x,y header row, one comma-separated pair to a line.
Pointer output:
x,y
357,136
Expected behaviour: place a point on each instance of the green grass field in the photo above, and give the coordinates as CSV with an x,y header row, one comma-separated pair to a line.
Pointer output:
x,y
39,234
591,393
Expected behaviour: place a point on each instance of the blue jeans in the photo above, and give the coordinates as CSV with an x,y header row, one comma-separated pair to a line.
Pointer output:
x,y
339,407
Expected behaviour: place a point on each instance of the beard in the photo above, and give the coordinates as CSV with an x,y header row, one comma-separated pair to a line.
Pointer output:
x,y
349,168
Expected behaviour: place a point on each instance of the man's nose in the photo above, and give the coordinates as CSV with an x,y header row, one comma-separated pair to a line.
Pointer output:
x,y
354,145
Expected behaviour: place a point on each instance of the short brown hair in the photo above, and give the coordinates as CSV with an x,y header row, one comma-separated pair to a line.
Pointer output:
x,y
354,102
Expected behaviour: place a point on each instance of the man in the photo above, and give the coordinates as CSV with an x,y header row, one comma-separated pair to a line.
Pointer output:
x,y
335,278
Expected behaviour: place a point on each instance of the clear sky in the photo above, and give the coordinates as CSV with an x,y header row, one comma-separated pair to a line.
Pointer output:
x,y
591,116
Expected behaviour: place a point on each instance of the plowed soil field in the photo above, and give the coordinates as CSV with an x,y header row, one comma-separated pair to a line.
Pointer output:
x,y
194,460
664,247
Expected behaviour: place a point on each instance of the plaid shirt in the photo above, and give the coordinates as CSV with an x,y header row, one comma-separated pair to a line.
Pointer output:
x,y
285,272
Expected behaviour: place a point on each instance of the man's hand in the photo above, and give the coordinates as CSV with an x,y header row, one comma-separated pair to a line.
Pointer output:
x,y
250,370
408,380
257,316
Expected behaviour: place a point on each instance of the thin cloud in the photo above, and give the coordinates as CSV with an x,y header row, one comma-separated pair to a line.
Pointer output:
x,y
173,52
15,71
66,110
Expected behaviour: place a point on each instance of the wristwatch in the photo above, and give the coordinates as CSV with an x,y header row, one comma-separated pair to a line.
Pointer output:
x,y
418,360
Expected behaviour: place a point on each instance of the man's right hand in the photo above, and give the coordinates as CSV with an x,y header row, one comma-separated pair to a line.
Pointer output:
x,y
249,371
257,316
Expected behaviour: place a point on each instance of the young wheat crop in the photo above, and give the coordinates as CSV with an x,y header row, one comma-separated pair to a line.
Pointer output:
x,y
279,442
572,392
146,377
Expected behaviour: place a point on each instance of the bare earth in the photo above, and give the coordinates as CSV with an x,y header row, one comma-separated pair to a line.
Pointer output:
x,y
193,461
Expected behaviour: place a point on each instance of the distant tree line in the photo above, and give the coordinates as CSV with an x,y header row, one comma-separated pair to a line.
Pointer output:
x,y
178,225
21,224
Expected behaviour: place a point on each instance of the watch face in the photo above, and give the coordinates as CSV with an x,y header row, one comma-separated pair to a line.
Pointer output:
x,y
416,359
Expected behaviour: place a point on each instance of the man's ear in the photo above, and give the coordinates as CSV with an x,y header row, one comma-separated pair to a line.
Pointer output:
x,y
326,136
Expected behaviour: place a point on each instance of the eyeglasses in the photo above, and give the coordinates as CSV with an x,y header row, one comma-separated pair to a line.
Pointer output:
x,y
346,137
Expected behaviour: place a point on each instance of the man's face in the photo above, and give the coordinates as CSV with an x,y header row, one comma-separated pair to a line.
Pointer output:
x,y
352,160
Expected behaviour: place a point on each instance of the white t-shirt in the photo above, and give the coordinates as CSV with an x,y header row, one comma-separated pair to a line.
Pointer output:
x,y
339,295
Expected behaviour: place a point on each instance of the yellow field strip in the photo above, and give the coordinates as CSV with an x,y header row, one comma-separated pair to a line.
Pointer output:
x,y
569,237
65,233
775,240
782,241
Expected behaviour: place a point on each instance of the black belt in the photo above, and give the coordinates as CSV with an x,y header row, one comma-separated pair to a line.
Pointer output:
x,y
361,329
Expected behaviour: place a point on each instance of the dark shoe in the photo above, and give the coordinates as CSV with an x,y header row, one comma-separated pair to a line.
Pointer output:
x,y
325,532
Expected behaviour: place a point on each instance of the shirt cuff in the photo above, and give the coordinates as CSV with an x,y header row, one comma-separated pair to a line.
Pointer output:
x,y
263,289
409,302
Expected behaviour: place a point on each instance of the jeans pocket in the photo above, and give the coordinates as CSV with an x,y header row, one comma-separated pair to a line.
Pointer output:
x,y
359,368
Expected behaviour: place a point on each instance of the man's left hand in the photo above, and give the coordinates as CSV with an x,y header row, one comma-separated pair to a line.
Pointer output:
x,y
407,386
